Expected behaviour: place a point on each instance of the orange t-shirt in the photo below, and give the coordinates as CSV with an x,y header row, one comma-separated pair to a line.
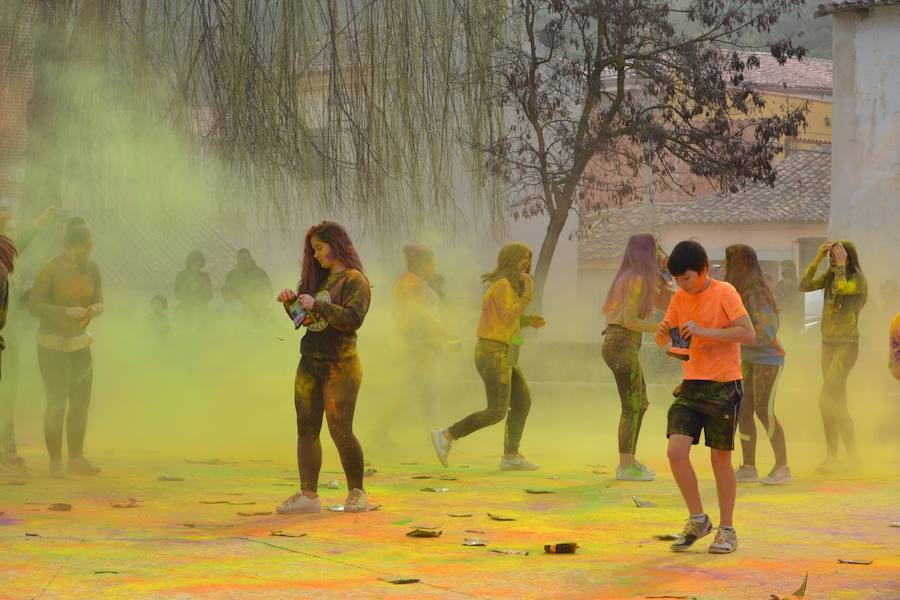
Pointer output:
x,y
716,307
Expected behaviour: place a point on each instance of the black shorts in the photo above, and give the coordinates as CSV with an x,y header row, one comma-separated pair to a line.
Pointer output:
x,y
710,406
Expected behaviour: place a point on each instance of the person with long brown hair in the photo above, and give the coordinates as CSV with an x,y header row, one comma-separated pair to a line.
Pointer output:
x,y
846,291
509,293
628,307
761,364
66,295
335,293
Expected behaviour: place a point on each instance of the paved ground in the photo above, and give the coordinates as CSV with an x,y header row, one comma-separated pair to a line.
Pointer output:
x,y
172,545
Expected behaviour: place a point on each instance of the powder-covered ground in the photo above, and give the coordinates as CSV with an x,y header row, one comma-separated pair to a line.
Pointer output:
x,y
172,545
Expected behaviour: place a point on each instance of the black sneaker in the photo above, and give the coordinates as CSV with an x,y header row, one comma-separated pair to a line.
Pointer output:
x,y
693,531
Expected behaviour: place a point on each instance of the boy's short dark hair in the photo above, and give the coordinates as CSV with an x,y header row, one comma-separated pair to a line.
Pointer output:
x,y
687,256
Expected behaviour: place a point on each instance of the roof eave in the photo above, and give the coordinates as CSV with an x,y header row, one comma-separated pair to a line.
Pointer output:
x,y
824,10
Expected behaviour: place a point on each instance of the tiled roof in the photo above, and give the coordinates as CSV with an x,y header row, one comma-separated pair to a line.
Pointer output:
x,y
832,6
802,195
809,73
610,230
806,74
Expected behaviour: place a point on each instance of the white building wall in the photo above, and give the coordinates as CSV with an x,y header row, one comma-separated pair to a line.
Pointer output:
x,y
865,192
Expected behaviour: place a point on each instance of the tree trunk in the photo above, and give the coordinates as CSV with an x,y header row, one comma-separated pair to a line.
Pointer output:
x,y
555,227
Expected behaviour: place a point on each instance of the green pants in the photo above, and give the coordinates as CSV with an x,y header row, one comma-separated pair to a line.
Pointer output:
x,y
838,359
507,396
620,352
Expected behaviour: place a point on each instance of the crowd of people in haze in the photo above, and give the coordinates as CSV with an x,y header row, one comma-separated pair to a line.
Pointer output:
x,y
724,329
246,294
65,296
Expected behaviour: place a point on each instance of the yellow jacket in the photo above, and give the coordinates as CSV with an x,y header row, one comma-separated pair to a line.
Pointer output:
x,y
501,312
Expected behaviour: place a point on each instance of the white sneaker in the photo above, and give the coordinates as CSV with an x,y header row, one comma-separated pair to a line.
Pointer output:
x,y
633,472
726,541
645,468
746,474
778,476
298,504
441,445
357,501
517,463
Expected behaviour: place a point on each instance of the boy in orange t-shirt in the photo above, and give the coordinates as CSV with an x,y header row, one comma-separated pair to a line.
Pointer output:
x,y
710,315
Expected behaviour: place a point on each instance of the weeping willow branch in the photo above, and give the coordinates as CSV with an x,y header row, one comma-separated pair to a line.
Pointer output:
x,y
315,106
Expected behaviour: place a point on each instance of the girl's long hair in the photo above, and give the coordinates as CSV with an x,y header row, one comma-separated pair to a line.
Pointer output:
x,y
508,264
742,270
8,254
342,249
853,266
639,262
854,269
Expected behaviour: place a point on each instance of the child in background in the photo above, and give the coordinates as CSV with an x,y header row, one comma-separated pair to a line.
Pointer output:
x,y
157,322
711,315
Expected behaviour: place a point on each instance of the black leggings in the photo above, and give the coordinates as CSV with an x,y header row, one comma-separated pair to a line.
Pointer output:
x,y
838,359
759,398
68,379
507,396
620,352
327,388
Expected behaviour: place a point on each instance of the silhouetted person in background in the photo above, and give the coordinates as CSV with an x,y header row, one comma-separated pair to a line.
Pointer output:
x,y
193,289
249,285
789,298
157,322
